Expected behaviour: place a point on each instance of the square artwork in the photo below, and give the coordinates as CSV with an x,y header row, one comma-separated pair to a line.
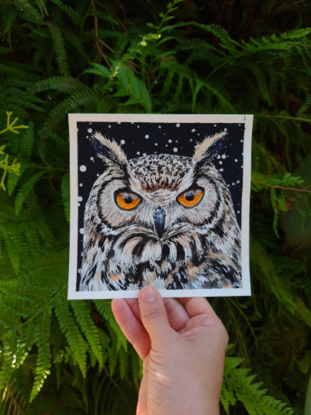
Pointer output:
x,y
160,200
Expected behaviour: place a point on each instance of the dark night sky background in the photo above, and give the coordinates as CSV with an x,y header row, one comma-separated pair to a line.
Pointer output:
x,y
140,139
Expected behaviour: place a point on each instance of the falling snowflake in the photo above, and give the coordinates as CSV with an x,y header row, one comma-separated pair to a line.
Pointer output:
x,y
177,125
81,230
82,168
175,149
89,130
122,141
193,130
80,198
147,136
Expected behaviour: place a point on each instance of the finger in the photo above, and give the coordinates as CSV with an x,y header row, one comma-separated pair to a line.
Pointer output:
x,y
176,314
133,304
153,315
142,398
196,306
133,330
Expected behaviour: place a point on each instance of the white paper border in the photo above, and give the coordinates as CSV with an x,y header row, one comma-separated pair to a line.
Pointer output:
x,y
159,118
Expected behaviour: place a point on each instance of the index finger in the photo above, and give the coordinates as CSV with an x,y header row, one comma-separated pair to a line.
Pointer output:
x,y
196,306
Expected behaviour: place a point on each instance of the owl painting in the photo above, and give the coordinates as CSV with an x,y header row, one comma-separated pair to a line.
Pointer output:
x,y
160,219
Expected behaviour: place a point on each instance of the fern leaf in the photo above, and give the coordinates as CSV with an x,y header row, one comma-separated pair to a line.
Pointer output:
x,y
71,331
76,18
88,327
42,337
104,307
66,195
27,140
13,179
25,190
59,48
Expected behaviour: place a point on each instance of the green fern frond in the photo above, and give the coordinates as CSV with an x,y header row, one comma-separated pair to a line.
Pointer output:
x,y
59,48
66,195
238,385
104,307
76,18
42,337
27,141
88,328
25,190
71,331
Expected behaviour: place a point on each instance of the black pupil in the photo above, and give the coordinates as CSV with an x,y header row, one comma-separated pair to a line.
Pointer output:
x,y
128,199
189,196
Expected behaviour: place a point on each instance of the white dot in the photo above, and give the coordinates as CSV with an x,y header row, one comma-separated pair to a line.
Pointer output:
x,y
214,125
89,130
193,130
144,154
176,141
138,153
221,169
169,141
241,167
155,144
220,162
175,149
97,175
218,157
122,141
109,126
147,136
78,204
77,129
90,123
228,185
119,122
198,134
241,141
177,125
236,160
80,198
239,211
81,230
223,156
238,181
91,158
138,126
233,184
239,125
79,270
225,129
80,184
190,139
166,145
82,168
160,126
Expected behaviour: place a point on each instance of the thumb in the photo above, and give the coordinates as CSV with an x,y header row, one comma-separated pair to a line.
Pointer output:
x,y
153,314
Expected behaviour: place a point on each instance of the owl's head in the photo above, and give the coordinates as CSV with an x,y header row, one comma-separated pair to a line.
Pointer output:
x,y
162,211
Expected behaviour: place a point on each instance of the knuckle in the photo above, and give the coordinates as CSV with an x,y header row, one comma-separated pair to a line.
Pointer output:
x,y
154,314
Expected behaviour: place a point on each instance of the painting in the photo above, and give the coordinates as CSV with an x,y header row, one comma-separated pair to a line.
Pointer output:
x,y
159,200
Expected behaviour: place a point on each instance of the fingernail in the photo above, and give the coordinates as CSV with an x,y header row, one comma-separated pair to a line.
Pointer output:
x,y
148,294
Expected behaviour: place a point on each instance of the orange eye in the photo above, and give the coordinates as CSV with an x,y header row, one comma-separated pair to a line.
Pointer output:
x,y
127,200
190,197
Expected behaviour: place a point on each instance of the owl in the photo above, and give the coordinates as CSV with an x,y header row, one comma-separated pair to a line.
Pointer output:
x,y
162,219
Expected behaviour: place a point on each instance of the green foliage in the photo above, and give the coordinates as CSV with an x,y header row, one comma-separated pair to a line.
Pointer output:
x,y
185,57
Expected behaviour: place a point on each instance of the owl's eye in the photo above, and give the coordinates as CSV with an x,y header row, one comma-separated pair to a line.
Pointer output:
x,y
127,200
190,197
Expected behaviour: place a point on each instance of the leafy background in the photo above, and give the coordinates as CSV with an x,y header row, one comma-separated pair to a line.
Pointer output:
x,y
203,56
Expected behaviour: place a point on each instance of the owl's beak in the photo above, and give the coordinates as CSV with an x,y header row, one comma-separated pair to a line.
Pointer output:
x,y
159,219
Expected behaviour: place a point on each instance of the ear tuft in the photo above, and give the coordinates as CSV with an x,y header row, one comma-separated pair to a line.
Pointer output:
x,y
209,147
108,150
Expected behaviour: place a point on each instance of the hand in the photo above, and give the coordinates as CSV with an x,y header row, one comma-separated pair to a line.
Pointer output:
x,y
183,351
